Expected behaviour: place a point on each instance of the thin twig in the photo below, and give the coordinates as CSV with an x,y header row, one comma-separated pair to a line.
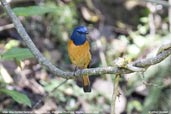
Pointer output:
x,y
151,16
103,58
59,86
115,93
47,95
9,26
91,71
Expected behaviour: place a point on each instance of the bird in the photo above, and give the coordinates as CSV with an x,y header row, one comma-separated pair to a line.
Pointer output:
x,y
79,53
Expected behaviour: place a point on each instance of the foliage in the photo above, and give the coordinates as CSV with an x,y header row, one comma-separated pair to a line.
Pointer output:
x,y
62,20
18,97
33,10
17,54
59,19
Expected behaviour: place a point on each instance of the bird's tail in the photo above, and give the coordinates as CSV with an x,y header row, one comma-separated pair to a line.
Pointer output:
x,y
86,84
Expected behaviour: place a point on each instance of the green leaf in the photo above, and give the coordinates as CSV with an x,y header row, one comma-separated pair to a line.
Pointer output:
x,y
17,54
33,10
132,105
18,97
11,43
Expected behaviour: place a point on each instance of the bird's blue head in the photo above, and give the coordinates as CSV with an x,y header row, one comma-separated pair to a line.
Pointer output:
x,y
79,35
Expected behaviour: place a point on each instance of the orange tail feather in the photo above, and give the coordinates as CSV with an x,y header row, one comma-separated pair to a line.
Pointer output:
x,y
86,84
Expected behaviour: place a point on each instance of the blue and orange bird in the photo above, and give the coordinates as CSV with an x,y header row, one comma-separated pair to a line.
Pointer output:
x,y
79,53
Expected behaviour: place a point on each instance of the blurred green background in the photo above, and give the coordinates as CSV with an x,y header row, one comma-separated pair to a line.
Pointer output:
x,y
119,28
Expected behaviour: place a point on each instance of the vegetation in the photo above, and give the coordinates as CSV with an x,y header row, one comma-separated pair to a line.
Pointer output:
x,y
118,30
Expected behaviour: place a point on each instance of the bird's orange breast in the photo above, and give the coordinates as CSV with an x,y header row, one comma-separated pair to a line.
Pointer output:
x,y
79,55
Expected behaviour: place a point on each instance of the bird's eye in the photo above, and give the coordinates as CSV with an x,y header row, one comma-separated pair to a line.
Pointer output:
x,y
80,32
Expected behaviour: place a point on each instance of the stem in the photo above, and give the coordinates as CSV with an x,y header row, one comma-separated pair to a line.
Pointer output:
x,y
115,92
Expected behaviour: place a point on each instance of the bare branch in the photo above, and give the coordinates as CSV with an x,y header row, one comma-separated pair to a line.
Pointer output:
x,y
115,93
9,26
92,71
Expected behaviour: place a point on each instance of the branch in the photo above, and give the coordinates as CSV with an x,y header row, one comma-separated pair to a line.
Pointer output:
x,y
91,71
115,93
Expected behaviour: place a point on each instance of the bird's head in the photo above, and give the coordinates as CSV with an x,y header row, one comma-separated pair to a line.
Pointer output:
x,y
79,35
